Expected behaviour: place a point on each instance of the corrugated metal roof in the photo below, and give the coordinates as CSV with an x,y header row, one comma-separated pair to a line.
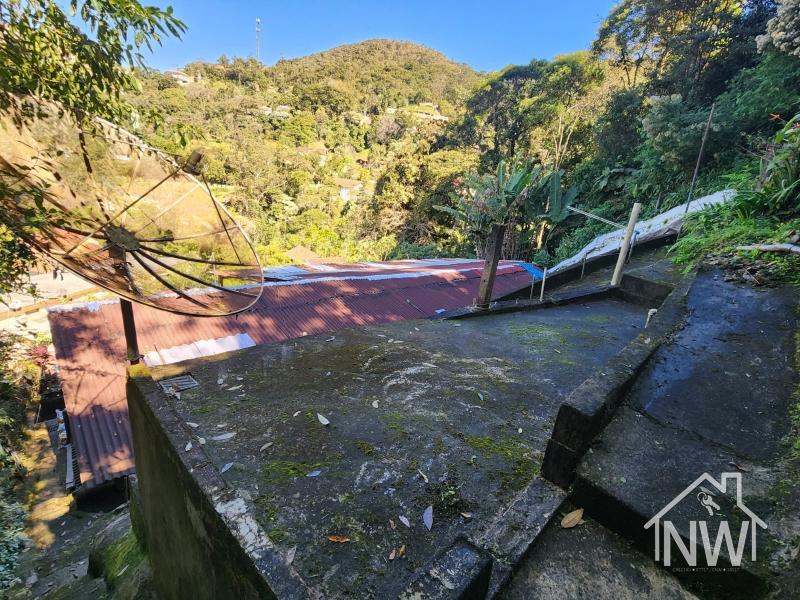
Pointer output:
x,y
90,345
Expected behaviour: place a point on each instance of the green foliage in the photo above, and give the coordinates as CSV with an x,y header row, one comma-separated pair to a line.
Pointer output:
x,y
769,88
761,212
780,193
497,198
719,230
18,391
783,30
520,197
84,60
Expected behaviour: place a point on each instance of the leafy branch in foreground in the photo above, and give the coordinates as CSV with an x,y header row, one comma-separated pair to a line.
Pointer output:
x,y
84,61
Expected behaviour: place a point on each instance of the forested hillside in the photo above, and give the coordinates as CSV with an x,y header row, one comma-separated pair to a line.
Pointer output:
x,y
350,151
332,151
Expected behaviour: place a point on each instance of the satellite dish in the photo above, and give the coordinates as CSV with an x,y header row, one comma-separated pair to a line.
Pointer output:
x,y
122,214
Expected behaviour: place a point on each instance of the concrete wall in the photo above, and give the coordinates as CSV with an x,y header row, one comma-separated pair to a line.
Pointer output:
x,y
191,548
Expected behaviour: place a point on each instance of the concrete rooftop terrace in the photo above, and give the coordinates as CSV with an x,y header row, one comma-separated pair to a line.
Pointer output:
x,y
453,414
90,344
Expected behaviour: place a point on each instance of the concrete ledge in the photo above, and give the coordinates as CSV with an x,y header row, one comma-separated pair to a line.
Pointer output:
x,y
632,289
512,533
590,407
625,508
201,541
460,573
519,305
593,264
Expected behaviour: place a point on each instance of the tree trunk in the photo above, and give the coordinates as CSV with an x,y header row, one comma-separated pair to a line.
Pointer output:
x,y
494,247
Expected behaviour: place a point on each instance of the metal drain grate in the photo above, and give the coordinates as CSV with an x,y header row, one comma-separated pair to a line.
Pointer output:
x,y
178,384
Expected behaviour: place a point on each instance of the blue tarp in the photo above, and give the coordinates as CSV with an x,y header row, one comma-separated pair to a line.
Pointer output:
x,y
536,273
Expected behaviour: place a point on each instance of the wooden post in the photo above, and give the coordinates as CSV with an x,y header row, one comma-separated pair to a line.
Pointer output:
x,y
494,247
129,326
699,158
626,243
541,289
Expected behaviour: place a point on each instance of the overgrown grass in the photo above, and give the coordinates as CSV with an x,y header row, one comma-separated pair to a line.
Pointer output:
x,y
18,388
719,230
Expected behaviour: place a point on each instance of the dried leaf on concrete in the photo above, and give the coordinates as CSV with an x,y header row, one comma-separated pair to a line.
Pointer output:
x,y
338,539
572,518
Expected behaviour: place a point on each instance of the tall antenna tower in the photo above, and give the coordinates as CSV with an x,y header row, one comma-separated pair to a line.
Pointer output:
x,y
258,39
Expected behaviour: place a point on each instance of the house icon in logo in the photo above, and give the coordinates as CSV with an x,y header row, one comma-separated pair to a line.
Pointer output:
x,y
666,533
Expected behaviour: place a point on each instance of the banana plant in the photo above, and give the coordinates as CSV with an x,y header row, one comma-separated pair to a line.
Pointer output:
x,y
557,207
496,198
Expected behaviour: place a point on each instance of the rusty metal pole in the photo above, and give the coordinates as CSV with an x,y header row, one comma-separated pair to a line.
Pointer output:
x,y
626,243
129,326
494,247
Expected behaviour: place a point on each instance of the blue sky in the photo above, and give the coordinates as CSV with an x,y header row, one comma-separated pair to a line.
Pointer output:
x,y
486,35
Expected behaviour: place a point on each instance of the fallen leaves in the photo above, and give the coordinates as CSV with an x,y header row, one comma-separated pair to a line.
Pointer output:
x,y
467,516
424,477
427,518
571,519
188,446
265,446
338,539
223,436
739,467
322,419
226,468
314,473
397,553
404,520
192,425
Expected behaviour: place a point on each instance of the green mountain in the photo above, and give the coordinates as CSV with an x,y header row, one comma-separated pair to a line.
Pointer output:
x,y
380,73
329,151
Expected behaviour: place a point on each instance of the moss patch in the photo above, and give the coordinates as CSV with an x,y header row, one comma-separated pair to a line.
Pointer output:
x,y
535,331
121,556
523,466
366,448
507,447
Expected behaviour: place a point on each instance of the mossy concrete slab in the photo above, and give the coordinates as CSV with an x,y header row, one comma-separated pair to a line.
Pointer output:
x,y
449,414
589,562
728,374
719,398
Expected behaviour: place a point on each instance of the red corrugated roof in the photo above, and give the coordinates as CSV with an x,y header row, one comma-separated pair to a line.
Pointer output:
x,y
90,345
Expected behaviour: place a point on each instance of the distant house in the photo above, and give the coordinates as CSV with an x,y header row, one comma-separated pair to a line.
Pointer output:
x,y
179,76
281,112
348,187
302,255
427,111
317,149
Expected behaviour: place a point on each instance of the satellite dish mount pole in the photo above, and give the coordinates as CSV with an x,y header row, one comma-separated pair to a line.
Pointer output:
x,y
129,326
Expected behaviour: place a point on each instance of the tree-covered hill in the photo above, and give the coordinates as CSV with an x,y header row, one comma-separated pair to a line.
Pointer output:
x,y
379,74
332,151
